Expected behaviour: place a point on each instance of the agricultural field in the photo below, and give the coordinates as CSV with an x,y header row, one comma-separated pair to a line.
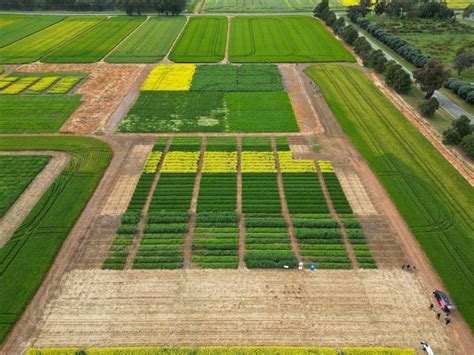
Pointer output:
x,y
185,98
260,6
39,44
16,173
16,27
419,180
150,43
283,39
203,41
92,46
31,250
35,114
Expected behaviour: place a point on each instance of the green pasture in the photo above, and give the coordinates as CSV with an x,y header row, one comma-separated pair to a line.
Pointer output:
x,y
283,39
150,43
203,41
27,256
434,199
91,46
262,6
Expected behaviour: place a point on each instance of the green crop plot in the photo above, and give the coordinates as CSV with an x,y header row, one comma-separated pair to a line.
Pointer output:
x,y
205,111
203,41
32,48
260,6
31,250
93,45
16,173
14,27
150,42
35,114
247,77
283,39
431,195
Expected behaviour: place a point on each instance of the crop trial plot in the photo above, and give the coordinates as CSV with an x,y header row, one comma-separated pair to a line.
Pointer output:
x,y
16,173
31,250
32,84
16,27
35,114
34,47
150,43
259,6
203,41
93,45
183,98
283,39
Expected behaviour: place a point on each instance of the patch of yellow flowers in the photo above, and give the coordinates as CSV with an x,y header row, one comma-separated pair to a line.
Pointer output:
x,y
258,162
4,82
220,162
151,163
181,162
43,84
326,166
170,77
19,86
290,165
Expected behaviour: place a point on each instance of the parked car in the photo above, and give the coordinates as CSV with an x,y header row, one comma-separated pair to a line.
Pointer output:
x,y
444,301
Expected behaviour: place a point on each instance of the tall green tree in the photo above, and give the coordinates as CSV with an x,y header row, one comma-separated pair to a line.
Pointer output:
x,y
431,77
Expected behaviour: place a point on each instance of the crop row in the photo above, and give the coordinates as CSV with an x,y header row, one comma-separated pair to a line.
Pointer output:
x,y
320,241
267,242
32,85
359,244
161,246
216,240
128,227
217,192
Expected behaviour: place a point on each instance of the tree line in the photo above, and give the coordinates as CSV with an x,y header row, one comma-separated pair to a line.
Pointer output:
x,y
167,7
430,76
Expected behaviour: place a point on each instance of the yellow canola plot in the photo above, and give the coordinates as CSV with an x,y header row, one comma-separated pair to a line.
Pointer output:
x,y
290,165
18,86
220,162
181,162
42,84
258,162
170,77
4,82
326,166
151,163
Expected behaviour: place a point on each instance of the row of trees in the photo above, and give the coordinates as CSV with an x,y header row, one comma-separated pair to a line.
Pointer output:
x,y
395,76
461,134
430,77
402,8
130,6
404,49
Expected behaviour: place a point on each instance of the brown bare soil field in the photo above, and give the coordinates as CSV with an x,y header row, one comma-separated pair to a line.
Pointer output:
x,y
229,307
102,93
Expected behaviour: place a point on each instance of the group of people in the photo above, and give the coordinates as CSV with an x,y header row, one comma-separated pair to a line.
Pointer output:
x,y
409,267
447,320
